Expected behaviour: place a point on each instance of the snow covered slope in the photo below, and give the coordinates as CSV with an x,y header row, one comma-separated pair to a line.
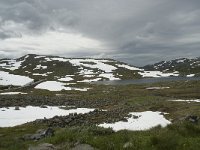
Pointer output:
x,y
183,66
66,71
62,69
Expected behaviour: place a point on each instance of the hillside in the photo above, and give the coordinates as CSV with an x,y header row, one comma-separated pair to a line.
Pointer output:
x,y
183,66
29,68
46,101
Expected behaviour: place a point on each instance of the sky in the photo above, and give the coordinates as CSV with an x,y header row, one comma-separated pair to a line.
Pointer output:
x,y
138,32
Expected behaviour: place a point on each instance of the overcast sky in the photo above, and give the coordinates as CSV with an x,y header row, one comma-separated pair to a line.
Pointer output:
x,y
135,31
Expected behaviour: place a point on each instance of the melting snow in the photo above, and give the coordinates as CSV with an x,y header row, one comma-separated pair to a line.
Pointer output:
x,y
10,117
60,59
40,67
37,57
86,72
157,74
89,75
110,76
157,88
128,67
11,79
90,80
66,79
48,59
181,100
139,121
38,74
12,93
181,60
12,64
57,86
99,64
191,75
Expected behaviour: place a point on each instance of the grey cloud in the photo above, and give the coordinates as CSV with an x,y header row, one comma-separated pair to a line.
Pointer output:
x,y
136,31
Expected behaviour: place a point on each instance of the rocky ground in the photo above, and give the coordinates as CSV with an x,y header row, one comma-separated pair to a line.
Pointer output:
x,y
111,104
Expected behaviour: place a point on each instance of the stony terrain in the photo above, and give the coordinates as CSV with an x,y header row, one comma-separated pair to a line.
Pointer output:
x,y
49,81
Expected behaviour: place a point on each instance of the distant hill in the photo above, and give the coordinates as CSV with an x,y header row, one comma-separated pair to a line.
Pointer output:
x,y
32,68
183,66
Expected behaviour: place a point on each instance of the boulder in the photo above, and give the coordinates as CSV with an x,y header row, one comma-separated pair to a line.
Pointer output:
x,y
17,108
44,146
43,106
193,119
127,145
39,134
83,147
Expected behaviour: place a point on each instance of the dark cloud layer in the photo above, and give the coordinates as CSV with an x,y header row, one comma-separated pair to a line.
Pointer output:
x,y
135,31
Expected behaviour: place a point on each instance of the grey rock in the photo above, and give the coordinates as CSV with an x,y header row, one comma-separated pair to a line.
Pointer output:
x,y
193,119
83,147
43,106
39,134
44,146
127,145
17,108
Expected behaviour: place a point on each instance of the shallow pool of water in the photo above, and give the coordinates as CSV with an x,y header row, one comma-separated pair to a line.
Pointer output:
x,y
147,80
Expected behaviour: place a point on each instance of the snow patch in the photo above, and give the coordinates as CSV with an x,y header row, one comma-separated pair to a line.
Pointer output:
x,y
189,101
156,74
11,79
12,93
12,64
89,75
37,57
109,76
99,64
57,86
38,74
191,75
40,67
157,88
139,121
86,72
11,117
66,79
90,80
128,67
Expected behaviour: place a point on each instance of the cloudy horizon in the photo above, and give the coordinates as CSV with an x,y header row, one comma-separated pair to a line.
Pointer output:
x,y
138,32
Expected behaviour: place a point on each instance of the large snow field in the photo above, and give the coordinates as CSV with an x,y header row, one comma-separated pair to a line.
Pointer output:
x,y
10,117
11,79
95,63
139,121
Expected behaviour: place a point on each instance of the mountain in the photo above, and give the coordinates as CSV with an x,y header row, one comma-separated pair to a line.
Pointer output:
x,y
60,71
183,66
52,67
54,71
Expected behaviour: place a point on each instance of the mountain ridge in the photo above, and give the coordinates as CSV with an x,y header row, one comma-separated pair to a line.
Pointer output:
x,y
185,66
34,67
